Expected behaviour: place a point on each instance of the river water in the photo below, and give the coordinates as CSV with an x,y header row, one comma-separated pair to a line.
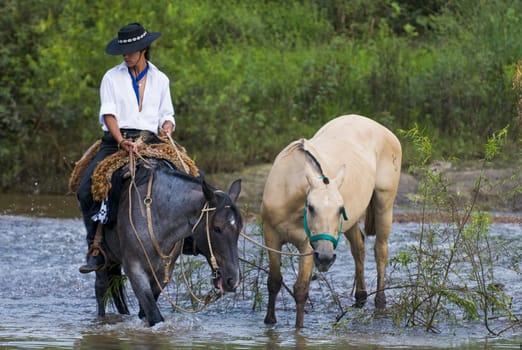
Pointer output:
x,y
46,303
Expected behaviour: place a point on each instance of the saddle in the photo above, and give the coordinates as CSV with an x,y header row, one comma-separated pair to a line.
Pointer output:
x,y
101,177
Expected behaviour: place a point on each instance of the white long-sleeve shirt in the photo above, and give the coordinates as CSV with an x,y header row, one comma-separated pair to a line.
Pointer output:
x,y
118,98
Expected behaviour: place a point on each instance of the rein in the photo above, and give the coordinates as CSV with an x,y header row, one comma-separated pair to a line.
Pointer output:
x,y
185,166
167,259
213,261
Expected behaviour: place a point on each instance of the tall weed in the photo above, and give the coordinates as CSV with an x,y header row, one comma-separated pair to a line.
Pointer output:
x,y
451,268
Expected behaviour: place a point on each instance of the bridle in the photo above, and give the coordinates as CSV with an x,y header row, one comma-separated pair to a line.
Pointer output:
x,y
323,235
213,262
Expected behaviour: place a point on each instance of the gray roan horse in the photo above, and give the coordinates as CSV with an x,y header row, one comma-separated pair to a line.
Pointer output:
x,y
320,188
156,211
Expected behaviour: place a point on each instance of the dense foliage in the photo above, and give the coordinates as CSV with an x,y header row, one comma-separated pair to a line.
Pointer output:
x,y
247,77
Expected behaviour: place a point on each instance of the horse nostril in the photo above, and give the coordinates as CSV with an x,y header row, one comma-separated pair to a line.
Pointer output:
x,y
231,283
323,261
323,258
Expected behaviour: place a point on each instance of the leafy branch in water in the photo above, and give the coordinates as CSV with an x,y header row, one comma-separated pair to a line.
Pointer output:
x,y
450,271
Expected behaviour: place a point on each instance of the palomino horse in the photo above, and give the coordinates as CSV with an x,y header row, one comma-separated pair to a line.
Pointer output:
x,y
320,188
159,208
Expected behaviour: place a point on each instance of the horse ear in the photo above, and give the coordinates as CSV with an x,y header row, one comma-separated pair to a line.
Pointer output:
x,y
339,177
234,190
207,191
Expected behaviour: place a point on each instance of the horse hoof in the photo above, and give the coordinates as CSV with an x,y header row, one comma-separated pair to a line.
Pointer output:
x,y
360,299
380,300
270,320
358,304
155,321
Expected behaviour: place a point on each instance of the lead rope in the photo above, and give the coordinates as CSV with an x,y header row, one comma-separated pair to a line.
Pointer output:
x,y
242,233
210,295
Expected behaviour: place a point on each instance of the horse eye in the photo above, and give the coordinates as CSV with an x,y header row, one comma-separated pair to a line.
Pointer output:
x,y
217,229
311,209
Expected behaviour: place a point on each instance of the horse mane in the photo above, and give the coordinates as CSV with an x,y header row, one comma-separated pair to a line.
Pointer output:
x,y
166,167
146,166
169,168
302,147
143,170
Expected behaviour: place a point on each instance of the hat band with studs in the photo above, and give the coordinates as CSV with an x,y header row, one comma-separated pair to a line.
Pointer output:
x,y
130,40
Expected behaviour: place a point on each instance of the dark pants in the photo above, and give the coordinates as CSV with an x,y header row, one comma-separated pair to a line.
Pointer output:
x,y
87,205
108,146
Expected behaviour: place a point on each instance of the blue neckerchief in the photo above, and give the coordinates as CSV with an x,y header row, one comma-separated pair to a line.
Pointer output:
x,y
137,80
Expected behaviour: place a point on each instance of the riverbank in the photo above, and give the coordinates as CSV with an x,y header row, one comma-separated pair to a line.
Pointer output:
x,y
500,193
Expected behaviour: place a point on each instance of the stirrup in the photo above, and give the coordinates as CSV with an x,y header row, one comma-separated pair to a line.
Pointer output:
x,y
95,251
92,260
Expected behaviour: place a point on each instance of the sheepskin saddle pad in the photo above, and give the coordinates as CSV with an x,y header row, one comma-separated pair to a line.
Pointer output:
x,y
101,178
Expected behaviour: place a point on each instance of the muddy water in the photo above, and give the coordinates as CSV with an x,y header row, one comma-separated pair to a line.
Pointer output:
x,y
46,303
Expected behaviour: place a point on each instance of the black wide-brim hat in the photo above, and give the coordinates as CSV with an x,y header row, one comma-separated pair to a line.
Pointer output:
x,y
131,38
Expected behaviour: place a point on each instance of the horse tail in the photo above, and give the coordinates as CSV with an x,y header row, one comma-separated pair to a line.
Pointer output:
x,y
369,220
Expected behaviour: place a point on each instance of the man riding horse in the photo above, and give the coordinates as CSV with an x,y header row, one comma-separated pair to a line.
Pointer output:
x,y
135,99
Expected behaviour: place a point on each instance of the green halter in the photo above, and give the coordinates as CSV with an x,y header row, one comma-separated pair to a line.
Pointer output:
x,y
324,235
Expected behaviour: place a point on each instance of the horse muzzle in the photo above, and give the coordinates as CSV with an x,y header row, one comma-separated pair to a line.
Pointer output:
x,y
324,260
225,283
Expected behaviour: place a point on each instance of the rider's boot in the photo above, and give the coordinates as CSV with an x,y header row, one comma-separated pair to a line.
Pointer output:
x,y
95,260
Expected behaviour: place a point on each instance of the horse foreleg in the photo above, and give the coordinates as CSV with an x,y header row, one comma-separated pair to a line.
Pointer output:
x,y
356,239
275,279
156,291
147,301
302,285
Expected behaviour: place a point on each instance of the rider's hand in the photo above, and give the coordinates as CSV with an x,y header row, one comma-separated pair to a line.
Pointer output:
x,y
167,129
128,145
